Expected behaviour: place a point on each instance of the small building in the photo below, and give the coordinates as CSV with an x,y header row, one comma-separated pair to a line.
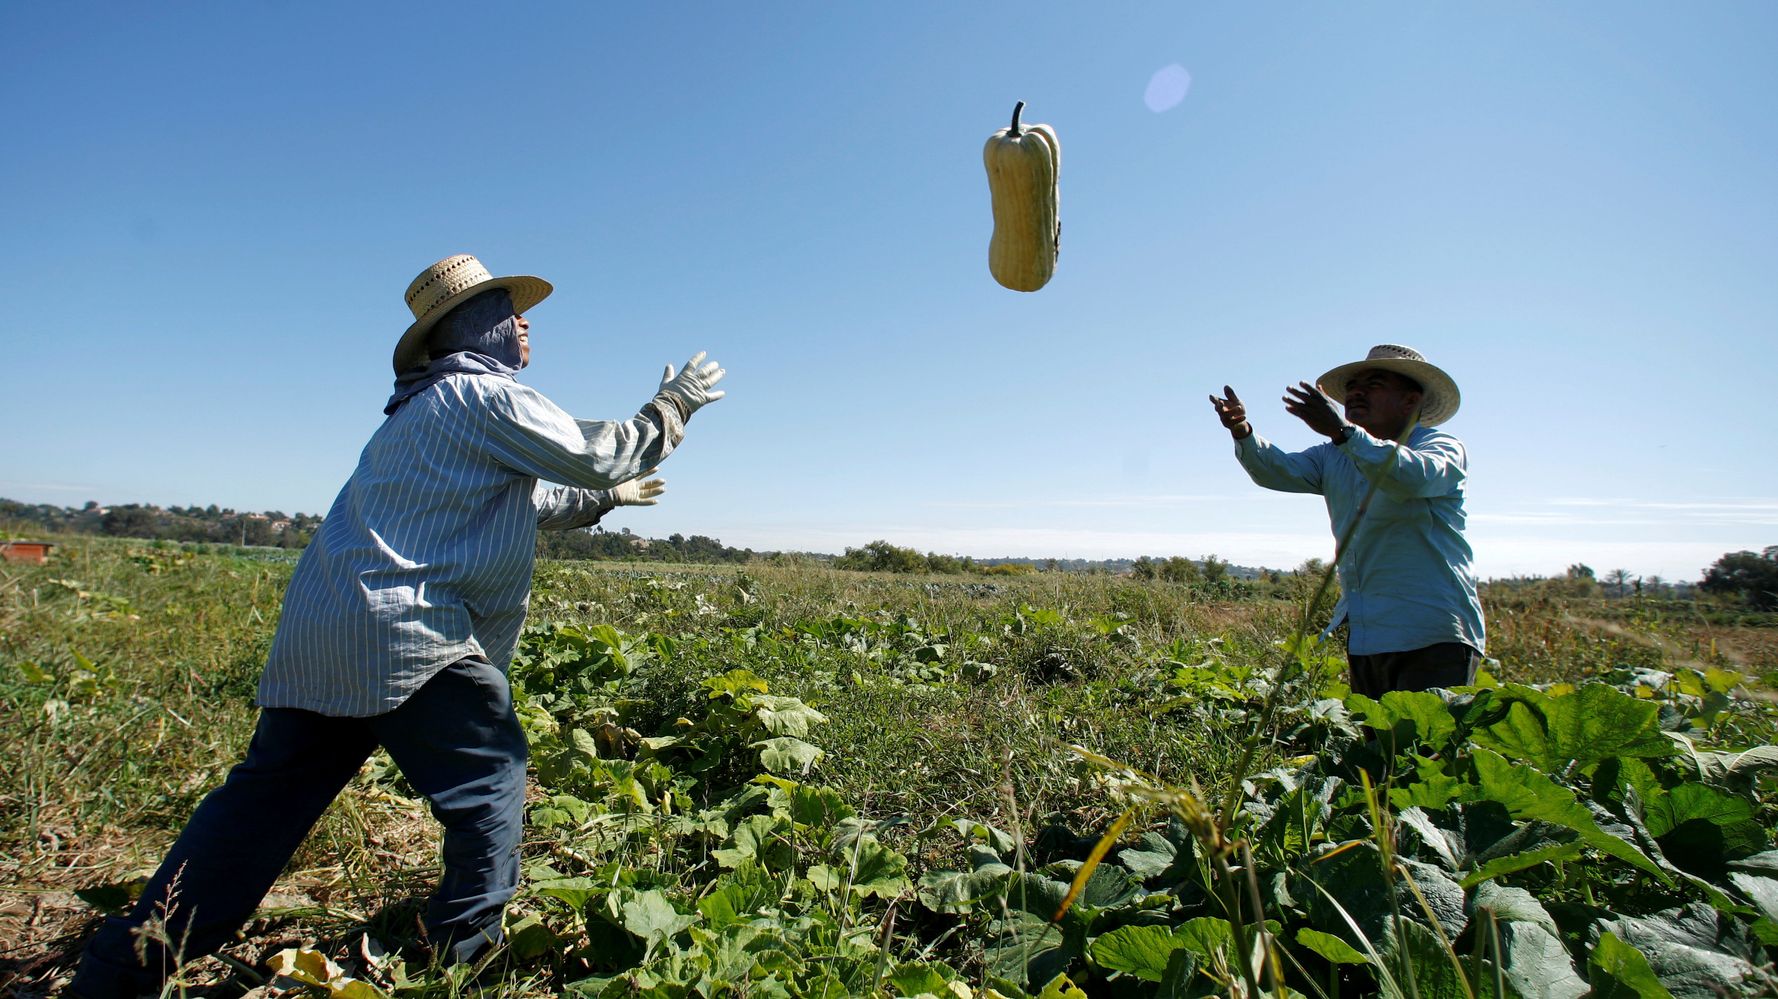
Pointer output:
x,y
25,551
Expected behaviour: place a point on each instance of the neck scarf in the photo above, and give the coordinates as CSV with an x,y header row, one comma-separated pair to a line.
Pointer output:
x,y
478,337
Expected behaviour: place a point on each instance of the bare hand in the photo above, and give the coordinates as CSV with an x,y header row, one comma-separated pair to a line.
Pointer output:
x,y
1232,413
1313,406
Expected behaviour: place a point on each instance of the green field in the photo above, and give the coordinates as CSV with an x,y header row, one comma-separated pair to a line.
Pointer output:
x,y
800,781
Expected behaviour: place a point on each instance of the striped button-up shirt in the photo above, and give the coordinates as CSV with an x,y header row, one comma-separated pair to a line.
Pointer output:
x,y
425,558
1406,580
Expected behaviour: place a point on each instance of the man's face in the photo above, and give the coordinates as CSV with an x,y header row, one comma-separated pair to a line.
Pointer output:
x,y
524,326
1382,402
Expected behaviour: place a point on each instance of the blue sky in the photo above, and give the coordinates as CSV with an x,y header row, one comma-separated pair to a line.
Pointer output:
x,y
212,212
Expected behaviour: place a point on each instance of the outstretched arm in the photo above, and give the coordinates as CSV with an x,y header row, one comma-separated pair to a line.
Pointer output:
x,y
562,508
533,436
1266,464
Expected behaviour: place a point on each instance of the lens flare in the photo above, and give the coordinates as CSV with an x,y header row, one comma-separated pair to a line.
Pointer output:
x,y
1167,87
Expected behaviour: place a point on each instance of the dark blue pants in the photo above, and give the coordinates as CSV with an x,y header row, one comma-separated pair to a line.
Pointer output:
x,y
1447,664
456,740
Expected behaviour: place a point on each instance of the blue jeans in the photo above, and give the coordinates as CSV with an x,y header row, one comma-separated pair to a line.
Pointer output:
x,y
456,740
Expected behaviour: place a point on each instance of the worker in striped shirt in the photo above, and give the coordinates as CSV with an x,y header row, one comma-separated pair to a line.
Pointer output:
x,y
400,621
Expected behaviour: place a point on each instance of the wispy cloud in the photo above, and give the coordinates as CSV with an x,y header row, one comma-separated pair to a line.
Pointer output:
x,y
48,487
1080,502
1614,502
1611,511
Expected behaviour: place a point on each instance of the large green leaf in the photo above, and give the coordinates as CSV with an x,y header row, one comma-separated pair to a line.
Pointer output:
x,y
651,917
786,754
1701,828
1297,818
1513,862
785,715
1352,880
762,838
1762,891
1412,948
1734,770
1441,845
1619,971
1330,947
1210,940
1512,905
1535,963
916,978
809,805
1597,722
877,870
958,891
1432,894
1534,960
734,683
1695,951
577,892
1528,794
1407,718
1434,790
1151,857
1060,987
1025,948
735,900
1142,951
1108,885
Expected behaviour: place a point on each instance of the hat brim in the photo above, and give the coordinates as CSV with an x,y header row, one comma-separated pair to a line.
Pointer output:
x,y
1439,398
526,292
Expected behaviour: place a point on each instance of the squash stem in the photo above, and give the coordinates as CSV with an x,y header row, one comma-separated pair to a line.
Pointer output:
x,y
1014,130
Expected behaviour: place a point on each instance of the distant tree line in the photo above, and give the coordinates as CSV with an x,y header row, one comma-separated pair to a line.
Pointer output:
x,y
1750,577
601,544
1744,577
270,528
881,556
275,529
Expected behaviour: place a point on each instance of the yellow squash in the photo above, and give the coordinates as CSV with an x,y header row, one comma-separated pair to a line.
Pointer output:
x,y
1023,163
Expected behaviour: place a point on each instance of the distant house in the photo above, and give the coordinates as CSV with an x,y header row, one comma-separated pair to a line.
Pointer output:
x,y
25,551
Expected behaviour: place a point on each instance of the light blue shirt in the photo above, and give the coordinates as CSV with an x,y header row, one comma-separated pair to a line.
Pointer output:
x,y
1406,577
425,557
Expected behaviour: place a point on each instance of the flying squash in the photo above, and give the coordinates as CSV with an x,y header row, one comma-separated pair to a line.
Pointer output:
x,y
1023,163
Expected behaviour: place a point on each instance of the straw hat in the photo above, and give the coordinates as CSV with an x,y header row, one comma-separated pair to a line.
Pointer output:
x,y
447,284
1439,398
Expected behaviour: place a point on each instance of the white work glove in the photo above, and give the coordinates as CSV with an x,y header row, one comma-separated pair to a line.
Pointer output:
x,y
637,493
690,389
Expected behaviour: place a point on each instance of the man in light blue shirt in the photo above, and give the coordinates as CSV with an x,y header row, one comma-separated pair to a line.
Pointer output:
x,y
399,623
1408,589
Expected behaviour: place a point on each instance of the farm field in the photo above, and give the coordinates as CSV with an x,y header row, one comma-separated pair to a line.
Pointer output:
x,y
788,780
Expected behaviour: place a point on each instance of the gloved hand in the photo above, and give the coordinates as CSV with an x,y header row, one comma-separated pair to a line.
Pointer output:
x,y
690,389
637,492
